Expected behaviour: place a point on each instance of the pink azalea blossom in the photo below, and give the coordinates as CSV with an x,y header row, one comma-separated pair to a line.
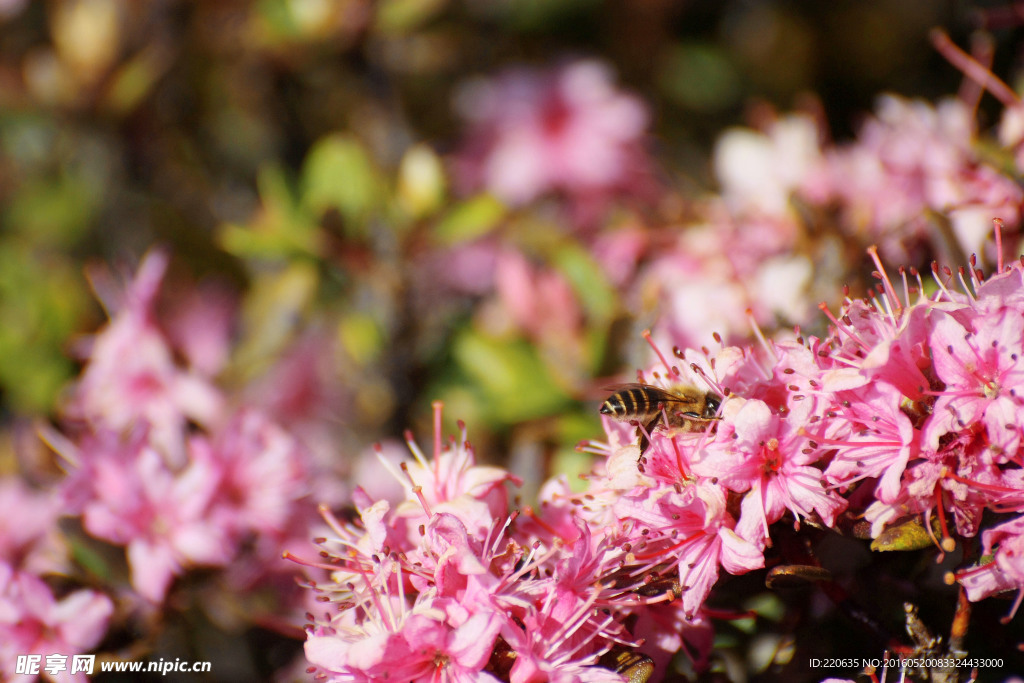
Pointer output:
x,y
130,497
875,440
452,482
770,458
34,621
1005,544
29,537
693,531
983,372
570,131
131,376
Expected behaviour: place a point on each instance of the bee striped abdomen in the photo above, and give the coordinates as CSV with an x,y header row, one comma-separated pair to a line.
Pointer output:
x,y
638,402
627,402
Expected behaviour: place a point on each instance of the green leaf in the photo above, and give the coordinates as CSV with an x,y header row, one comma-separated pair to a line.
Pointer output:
x,y
699,76
53,211
400,16
767,606
274,309
339,174
588,281
361,336
907,534
282,229
42,303
513,381
469,220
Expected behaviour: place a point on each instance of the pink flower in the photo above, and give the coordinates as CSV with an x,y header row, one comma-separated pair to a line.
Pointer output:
x,y
771,459
452,482
130,497
539,301
569,131
983,370
423,648
262,476
872,437
29,536
1005,544
33,621
691,530
131,376
760,172
914,158
200,324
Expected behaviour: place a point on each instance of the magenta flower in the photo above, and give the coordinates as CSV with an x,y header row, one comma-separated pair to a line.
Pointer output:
x,y
131,376
691,530
129,496
569,131
983,372
770,459
33,621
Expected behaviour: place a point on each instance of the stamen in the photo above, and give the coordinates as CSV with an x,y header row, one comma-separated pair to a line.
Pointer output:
x,y
647,335
890,291
947,544
997,226
972,69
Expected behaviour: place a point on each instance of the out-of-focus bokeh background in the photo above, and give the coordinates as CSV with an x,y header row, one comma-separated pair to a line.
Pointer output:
x,y
257,137
370,205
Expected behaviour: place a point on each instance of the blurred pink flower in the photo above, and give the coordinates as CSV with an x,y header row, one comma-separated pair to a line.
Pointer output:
x,y
569,130
129,496
539,300
29,536
34,621
199,324
760,172
131,376
713,276
263,477
911,160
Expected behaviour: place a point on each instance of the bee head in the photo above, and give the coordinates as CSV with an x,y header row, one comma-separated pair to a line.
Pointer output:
x,y
711,405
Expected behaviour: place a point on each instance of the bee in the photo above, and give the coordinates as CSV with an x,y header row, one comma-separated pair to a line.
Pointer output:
x,y
688,408
636,667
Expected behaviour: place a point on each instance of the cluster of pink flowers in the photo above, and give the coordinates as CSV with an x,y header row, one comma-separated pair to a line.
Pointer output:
x,y
913,403
920,181
159,463
33,619
448,585
570,131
